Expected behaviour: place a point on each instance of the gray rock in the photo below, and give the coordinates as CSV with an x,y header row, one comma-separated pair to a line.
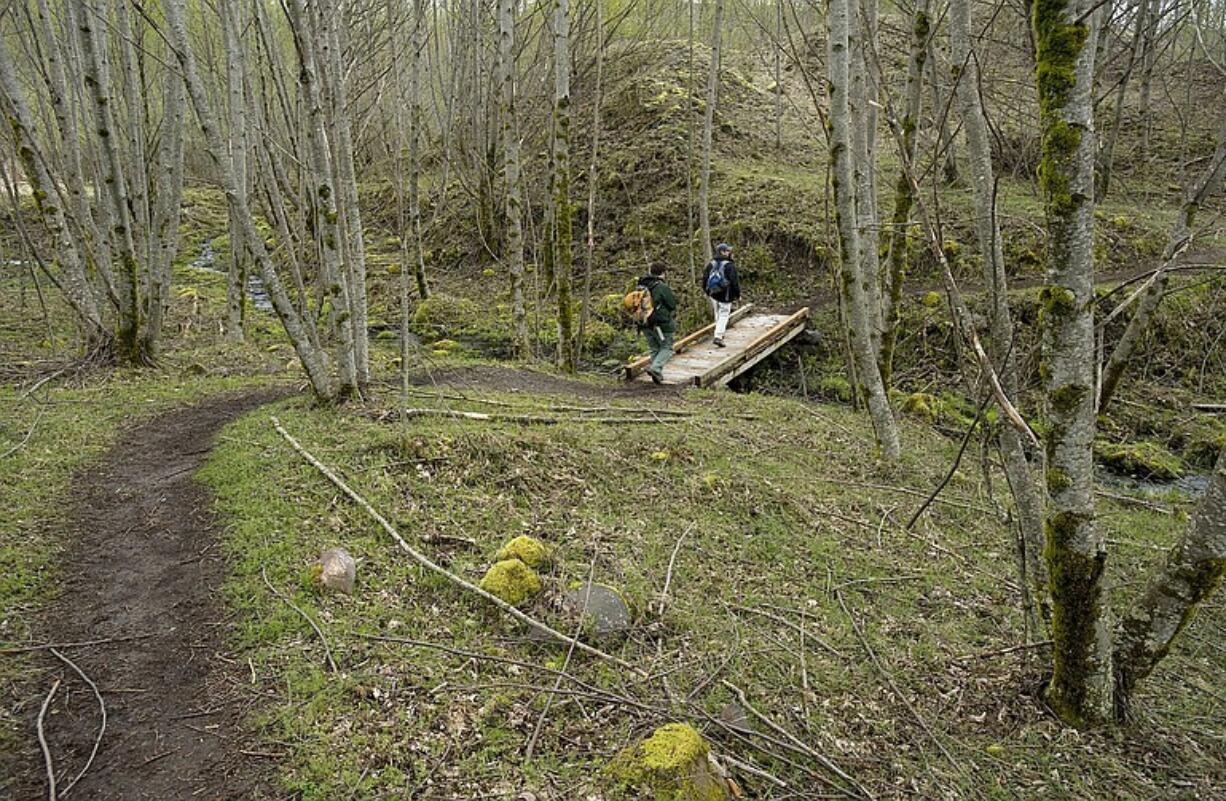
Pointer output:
x,y
735,718
601,607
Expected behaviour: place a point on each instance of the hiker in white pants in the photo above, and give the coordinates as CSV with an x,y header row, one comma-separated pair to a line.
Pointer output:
x,y
720,283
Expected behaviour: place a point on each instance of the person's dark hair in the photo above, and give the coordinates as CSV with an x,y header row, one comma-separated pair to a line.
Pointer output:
x,y
723,248
657,269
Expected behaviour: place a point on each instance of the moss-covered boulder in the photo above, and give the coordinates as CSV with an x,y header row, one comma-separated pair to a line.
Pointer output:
x,y
529,550
442,315
670,765
512,581
1141,459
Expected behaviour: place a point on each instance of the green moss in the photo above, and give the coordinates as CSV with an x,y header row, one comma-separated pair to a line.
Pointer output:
x,y
1143,459
923,405
529,550
835,386
1058,45
671,765
1057,301
931,299
512,581
441,314
1076,582
1057,481
1066,398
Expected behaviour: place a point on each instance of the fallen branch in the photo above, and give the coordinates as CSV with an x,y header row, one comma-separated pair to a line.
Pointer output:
x,y
42,742
668,577
101,729
1141,502
885,674
790,624
754,771
825,761
425,561
25,649
305,616
1002,651
29,434
1211,408
536,419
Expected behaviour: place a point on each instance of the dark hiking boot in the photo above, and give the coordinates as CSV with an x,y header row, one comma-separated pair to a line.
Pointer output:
x,y
656,377
719,343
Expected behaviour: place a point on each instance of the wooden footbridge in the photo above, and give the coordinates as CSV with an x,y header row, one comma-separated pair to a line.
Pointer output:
x,y
750,338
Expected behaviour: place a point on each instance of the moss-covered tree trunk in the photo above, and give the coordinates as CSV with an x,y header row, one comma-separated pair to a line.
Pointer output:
x,y
164,241
563,215
862,26
513,252
1180,238
98,83
1081,684
1193,571
921,27
310,356
1023,482
854,288
415,123
332,272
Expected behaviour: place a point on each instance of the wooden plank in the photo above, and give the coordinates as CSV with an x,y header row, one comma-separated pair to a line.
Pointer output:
x,y
749,365
764,344
1211,408
640,364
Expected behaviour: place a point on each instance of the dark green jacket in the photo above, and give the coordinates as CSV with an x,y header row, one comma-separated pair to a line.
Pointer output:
x,y
663,301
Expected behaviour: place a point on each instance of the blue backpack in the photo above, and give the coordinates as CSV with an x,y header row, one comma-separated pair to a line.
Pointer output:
x,y
716,280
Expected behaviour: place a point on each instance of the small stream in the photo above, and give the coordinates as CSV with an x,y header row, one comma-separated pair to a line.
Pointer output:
x,y
207,260
1193,485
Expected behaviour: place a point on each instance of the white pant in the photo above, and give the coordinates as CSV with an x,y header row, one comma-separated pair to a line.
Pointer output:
x,y
721,312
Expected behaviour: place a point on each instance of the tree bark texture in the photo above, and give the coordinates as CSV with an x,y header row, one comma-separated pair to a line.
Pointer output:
x,y
1080,689
708,125
563,217
514,206
1024,484
854,288
236,104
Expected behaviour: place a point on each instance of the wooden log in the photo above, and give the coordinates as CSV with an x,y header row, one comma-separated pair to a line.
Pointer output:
x,y
1211,408
634,368
791,325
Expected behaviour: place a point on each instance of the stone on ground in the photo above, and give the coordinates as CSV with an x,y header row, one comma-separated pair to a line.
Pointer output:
x,y
603,611
337,570
670,765
511,581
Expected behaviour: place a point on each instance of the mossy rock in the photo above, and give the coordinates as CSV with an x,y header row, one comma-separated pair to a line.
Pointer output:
x,y
922,405
446,345
931,299
670,765
1141,459
529,550
512,581
441,314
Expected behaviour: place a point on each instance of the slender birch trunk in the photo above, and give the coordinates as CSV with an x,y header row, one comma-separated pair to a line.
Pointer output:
x,y
164,237
98,82
708,124
854,286
312,358
563,231
1193,571
514,205
327,216
863,141
236,96
1179,240
72,276
415,132
1081,684
947,147
898,256
138,187
1106,156
592,180
1149,55
1023,482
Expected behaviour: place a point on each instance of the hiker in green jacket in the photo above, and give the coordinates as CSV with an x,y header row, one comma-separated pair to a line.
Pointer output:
x,y
659,327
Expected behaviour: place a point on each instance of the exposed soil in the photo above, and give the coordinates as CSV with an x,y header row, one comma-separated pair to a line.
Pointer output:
x,y
141,559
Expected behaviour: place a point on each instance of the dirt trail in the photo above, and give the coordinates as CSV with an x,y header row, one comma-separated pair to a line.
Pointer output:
x,y
142,558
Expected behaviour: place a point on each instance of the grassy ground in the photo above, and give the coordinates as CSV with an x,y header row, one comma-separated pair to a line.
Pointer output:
x,y
784,514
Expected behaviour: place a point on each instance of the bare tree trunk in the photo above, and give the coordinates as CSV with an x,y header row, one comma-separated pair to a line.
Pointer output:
x,y
327,218
311,357
416,125
1081,684
708,124
1149,55
563,232
854,285
47,198
97,79
921,30
1023,482
862,29
1180,239
1106,157
514,208
351,213
133,91
166,209
778,48
947,147
592,179
236,283
1193,571
689,149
